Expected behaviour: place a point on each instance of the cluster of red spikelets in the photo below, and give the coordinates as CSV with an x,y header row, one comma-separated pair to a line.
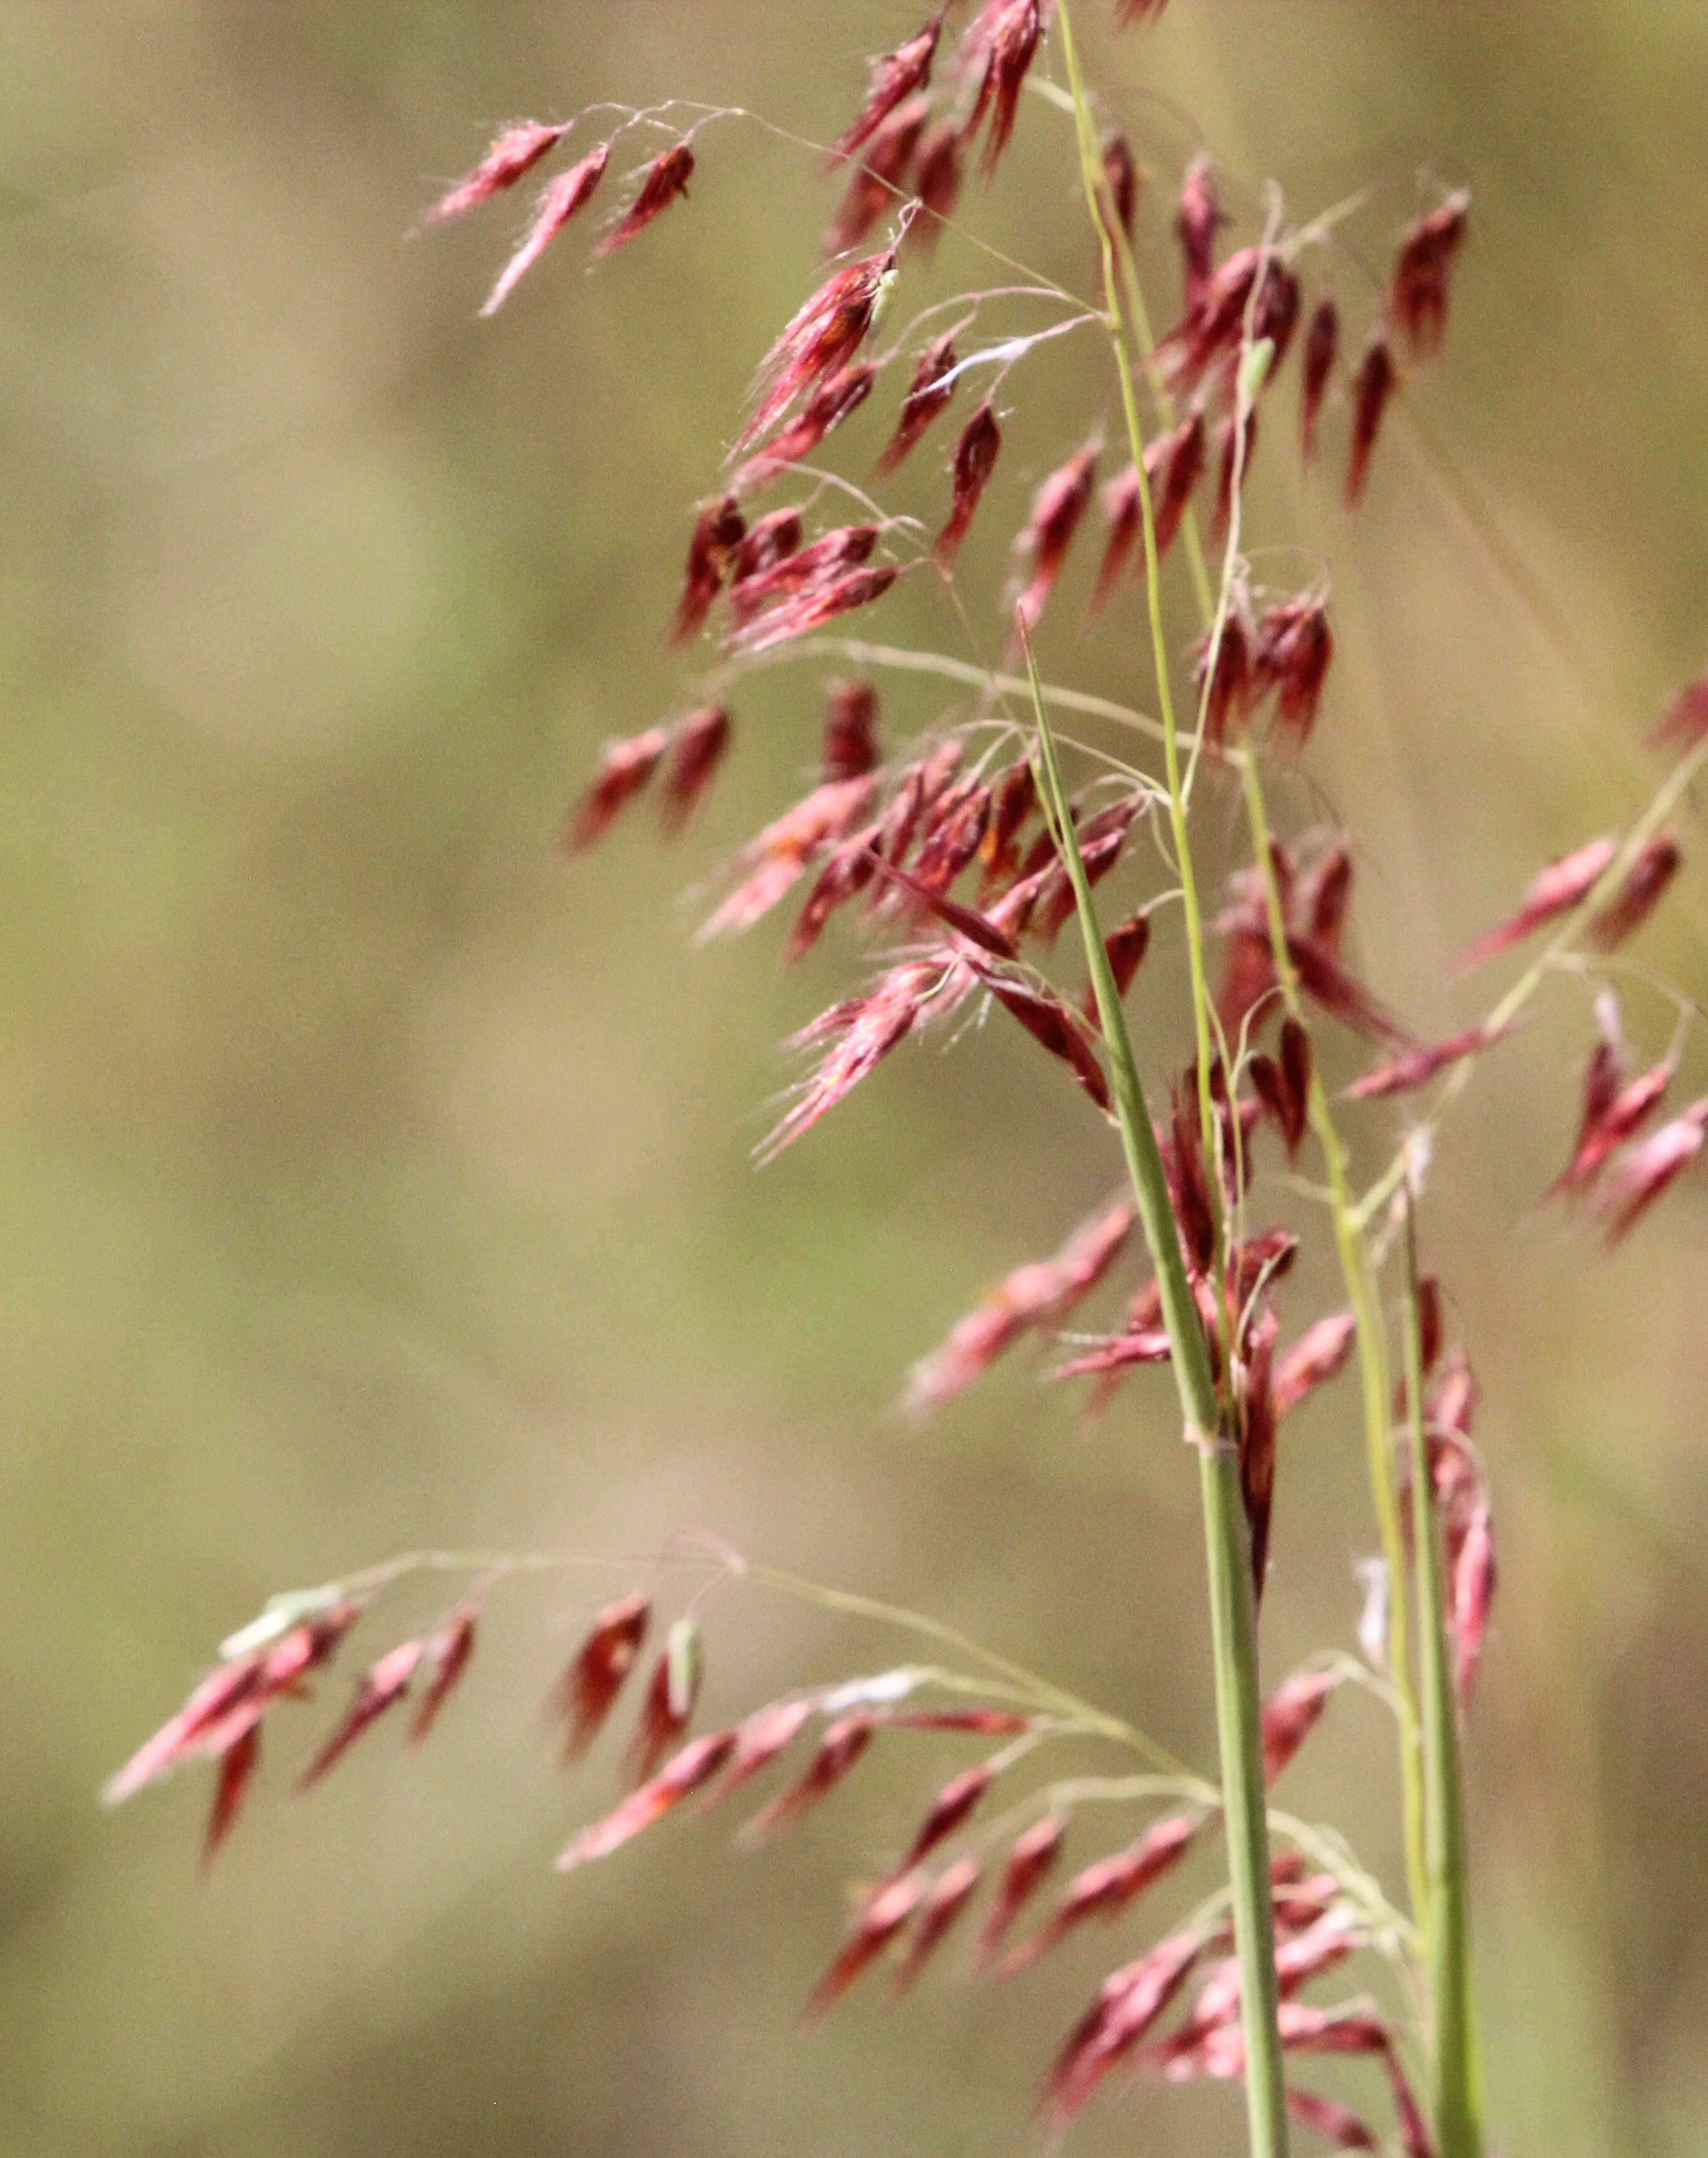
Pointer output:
x,y
272,1662
960,1848
947,841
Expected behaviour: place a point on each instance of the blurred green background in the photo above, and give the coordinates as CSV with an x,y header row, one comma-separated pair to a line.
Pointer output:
x,y
367,1179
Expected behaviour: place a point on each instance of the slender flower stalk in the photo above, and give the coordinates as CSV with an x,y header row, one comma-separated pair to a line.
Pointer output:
x,y
1455,2092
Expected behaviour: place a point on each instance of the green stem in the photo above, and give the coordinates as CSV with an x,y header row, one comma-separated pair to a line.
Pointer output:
x,y
1233,1612
1447,1934
1233,1607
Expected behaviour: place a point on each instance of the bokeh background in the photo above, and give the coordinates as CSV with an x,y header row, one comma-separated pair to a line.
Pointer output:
x,y
366,1178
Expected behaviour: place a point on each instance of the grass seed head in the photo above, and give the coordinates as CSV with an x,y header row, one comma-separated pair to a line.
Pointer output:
x,y
559,200
664,180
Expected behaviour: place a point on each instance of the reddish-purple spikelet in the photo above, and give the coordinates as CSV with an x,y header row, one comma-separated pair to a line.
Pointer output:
x,y
801,570
1327,1941
380,1687
895,76
1274,1097
1644,1171
1189,1185
1327,982
950,1894
878,180
1220,2052
823,337
1415,2141
770,865
1057,509
1282,1085
1473,1592
839,1750
693,1768
937,175
1564,884
1125,947
559,201
954,829
184,1736
587,1691
824,410
1325,897
928,395
847,872
1121,177
1294,647
1296,1057
1030,1857
1013,799
1657,864
975,459
1123,512
835,400
698,745
1173,465
665,179
446,1653
812,609
863,1031
964,921
1257,1422
1610,1119
1322,350
1144,1346
514,154
1418,1067
886,1912
232,1696
667,1708
238,1763
1213,332
1127,2005
1002,42
1138,10
1031,1296
1337,2124
1291,1714
974,1722
1102,839
951,1809
767,1733
771,539
1320,1353
1106,1888
1684,723
1224,684
719,531
1051,1024
850,733
1300,1900
1200,218
1372,386
623,770
1418,297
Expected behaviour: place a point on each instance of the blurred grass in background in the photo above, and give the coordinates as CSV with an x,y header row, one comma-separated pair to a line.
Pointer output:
x,y
367,1180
